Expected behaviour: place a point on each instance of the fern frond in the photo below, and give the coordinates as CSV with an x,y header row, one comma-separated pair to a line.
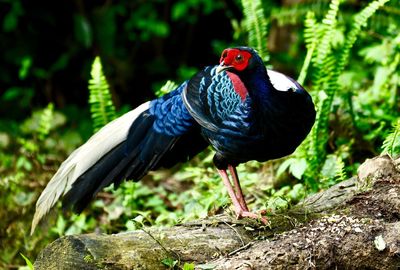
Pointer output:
x,y
166,88
319,133
256,26
333,67
359,21
45,121
294,14
328,65
310,30
340,174
311,40
391,144
101,106
325,33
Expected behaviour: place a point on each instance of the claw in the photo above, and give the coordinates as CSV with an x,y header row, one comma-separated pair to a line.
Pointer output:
x,y
247,214
237,197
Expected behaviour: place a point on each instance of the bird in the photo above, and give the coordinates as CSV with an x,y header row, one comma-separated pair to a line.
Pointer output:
x,y
239,107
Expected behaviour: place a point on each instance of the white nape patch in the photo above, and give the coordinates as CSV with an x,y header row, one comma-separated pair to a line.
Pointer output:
x,y
280,81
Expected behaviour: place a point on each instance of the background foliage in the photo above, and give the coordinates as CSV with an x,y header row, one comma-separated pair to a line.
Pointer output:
x,y
54,94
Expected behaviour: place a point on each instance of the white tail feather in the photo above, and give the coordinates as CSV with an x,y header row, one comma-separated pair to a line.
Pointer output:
x,y
82,159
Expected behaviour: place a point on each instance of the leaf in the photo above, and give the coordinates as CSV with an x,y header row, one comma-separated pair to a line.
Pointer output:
x,y
10,21
256,25
298,168
296,193
83,30
26,63
166,88
284,166
179,10
60,226
45,121
391,144
188,266
27,261
101,106
170,262
278,204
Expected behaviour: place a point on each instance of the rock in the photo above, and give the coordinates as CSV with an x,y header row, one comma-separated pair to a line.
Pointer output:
x,y
353,225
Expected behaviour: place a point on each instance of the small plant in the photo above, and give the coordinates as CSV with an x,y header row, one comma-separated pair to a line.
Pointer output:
x,y
256,23
45,122
188,266
391,145
29,264
327,58
166,88
169,262
101,106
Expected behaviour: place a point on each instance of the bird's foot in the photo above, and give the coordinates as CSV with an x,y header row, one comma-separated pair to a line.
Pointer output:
x,y
256,216
236,194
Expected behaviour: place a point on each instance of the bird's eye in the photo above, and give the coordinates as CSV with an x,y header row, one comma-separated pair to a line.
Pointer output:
x,y
238,57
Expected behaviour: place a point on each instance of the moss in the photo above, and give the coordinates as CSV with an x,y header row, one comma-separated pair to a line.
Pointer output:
x,y
88,258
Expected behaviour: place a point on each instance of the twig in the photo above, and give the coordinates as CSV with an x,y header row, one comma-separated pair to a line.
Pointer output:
x,y
230,226
240,249
169,252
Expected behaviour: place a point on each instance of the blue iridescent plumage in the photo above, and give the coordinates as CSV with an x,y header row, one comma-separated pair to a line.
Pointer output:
x,y
171,116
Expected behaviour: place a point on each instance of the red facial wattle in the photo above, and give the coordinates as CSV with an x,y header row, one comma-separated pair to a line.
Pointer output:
x,y
238,85
235,58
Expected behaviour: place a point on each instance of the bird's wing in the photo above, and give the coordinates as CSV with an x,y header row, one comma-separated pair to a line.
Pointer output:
x,y
157,134
211,98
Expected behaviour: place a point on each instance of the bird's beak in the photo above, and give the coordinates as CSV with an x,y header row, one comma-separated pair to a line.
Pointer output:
x,y
222,67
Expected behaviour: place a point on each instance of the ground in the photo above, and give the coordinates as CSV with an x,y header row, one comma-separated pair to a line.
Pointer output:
x,y
353,225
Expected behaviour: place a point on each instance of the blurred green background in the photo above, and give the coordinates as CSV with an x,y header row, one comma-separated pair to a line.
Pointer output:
x,y
48,48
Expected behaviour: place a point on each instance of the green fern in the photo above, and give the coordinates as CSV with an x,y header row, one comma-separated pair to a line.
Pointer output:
x,y
319,39
166,88
328,63
256,26
325,33
294,14
360,20
333,67
340,170
311,40
45,122
101,106
391,144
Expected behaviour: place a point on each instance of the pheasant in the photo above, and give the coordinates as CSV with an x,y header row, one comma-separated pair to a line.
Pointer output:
x,y
243,110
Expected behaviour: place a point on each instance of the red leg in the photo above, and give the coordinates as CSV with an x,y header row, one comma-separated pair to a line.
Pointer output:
x,y
238,189
231,192
241,209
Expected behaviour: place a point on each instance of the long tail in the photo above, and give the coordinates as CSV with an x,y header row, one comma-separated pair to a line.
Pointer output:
x,y
97,157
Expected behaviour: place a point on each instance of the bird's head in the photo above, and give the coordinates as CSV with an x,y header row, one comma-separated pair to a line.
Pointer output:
x,y
239,59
